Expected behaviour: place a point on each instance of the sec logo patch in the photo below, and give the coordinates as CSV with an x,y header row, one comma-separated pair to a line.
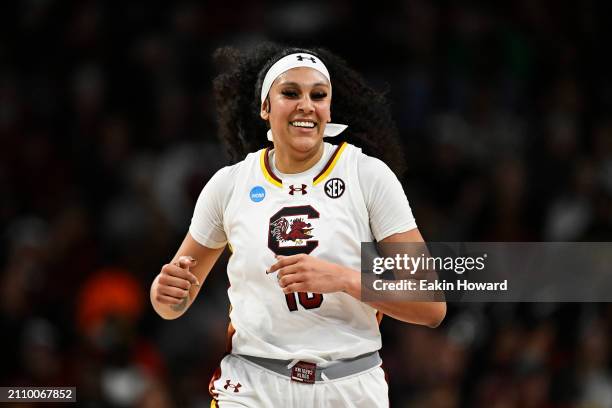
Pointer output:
x,y
334,188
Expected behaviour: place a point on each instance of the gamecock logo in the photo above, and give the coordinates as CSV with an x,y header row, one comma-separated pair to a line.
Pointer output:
x,y
290,232
297,231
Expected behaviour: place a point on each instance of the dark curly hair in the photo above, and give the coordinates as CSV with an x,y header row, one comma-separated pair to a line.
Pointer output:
x,y
237,96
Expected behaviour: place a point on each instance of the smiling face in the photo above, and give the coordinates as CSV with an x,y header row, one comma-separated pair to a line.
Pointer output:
x,y
299,107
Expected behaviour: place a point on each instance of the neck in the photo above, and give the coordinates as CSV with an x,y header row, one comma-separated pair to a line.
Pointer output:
x,y
291,162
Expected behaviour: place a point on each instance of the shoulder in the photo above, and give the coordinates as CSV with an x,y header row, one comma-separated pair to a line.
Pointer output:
x,y
364,162
384,197
228,178
229,173
372,168
220,186
377,181
225,176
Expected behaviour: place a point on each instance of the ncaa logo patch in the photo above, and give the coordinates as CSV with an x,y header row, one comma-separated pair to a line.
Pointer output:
x,y
257,194
334,188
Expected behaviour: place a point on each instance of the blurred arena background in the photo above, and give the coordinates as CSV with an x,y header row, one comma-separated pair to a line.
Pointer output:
x,y
107,135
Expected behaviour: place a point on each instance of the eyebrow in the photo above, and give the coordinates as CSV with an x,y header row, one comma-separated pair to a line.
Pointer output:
x,y
291,83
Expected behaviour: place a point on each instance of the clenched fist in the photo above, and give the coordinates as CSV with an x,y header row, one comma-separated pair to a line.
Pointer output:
x,y
174,282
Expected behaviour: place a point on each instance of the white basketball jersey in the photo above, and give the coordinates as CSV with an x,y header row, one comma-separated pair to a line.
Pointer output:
x,y
323,215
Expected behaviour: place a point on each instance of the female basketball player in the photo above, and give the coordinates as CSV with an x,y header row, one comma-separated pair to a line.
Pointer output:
x,y
294,215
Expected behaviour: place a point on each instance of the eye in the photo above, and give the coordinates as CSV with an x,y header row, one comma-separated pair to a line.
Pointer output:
x,y
318,95
289,93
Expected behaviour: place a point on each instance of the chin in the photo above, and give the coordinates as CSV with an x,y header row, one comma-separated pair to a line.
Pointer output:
x,y
305,144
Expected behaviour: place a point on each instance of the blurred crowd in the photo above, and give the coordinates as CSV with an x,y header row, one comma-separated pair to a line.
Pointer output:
x,y
107,135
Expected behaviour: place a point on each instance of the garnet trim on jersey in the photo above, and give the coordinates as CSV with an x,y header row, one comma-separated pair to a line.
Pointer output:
x,y
331,163
217,374
264,161
266,169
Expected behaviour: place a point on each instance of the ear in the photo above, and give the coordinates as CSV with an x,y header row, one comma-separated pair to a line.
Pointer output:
x,y
265,110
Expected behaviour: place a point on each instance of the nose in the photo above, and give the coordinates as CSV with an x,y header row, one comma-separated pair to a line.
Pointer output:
x,y
305,104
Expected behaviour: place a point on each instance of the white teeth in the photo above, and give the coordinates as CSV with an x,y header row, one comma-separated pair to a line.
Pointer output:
x,y
303,124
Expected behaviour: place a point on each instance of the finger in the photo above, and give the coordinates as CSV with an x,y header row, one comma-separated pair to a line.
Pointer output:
x,y
180,283
186,261
168,300
177,271
287,280
284,261
289,270
173,270
173,292
295,287
185,264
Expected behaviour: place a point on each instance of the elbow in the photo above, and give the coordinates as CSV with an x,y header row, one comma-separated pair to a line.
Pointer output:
x,y
169,317
163,315
164,311
438,312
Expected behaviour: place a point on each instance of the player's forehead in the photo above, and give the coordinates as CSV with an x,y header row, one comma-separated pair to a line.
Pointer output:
x,y
303,77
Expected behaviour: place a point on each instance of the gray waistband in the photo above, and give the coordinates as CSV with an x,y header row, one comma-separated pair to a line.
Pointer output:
x,y
338,369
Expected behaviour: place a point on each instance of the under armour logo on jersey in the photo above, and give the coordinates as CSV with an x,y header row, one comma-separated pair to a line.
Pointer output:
x,y
301,58
228,384
293,189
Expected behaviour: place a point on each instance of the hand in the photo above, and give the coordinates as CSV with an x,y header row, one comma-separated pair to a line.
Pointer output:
x,y
305,273
175,280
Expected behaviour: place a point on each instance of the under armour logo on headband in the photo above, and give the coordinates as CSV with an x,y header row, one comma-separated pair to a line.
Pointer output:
x,y
289,62
301,58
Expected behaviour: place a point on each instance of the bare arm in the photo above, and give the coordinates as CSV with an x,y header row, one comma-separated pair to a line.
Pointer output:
x,y
177,285
426,313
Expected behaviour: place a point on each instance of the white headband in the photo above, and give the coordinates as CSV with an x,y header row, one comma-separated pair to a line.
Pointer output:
x,y
296,61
